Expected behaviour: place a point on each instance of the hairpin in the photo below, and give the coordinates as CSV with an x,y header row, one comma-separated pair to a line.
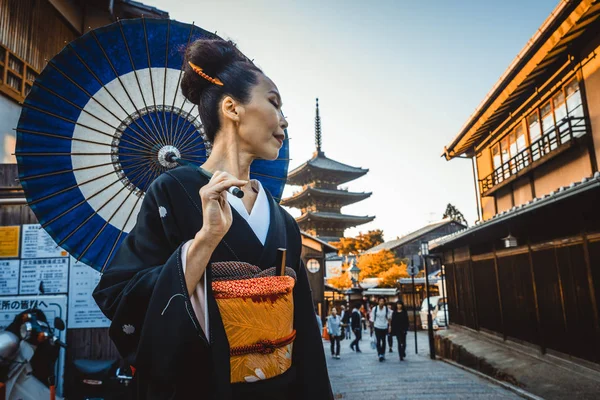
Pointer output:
x,y
199,71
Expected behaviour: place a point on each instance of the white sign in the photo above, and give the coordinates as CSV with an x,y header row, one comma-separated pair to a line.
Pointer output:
x,y
333,268
83,310
52,306
9,277
37,243
54,272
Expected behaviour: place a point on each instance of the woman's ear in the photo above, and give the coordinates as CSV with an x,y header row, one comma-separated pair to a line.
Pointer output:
x,y
230,109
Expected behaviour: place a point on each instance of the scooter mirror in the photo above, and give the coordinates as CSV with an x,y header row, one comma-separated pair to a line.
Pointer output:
x,y
59,324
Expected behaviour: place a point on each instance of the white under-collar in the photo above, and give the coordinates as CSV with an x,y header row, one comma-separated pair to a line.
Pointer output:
x,y
259,217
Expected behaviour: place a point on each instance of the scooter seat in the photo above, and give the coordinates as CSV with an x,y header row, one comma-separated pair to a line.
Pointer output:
x,y
93,367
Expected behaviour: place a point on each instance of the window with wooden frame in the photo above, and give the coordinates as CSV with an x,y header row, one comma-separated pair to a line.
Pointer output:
x,y
16,76
535,132
574,104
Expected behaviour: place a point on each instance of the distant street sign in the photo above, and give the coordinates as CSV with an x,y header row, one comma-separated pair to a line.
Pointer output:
x,y
413,270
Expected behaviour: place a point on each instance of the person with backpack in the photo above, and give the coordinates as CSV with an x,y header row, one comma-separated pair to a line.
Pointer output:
x,y
380,318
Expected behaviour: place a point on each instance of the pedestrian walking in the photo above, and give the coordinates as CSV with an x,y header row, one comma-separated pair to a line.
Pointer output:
x,y
334,329
380,319
399,327
355,324
345,317
319,322
390,337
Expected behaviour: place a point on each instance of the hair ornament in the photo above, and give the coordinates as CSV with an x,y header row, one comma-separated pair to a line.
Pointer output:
x,y
199,71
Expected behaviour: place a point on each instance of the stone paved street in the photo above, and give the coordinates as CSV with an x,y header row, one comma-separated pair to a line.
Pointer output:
x,y
362,376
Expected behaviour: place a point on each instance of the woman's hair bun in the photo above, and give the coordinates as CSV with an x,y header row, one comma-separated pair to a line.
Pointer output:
x,y
213,56
222,60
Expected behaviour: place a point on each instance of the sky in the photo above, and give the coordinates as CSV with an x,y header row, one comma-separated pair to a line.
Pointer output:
x,y
396,80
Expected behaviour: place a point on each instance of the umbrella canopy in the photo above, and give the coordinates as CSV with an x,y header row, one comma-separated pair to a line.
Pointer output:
x,y
96,125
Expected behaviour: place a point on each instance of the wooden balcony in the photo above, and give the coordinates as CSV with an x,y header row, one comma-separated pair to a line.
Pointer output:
x,y
555,141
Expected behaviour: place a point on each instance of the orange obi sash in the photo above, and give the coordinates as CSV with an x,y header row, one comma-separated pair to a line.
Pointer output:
x,y
257,310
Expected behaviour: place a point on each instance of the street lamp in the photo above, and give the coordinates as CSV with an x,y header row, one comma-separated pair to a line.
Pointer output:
x,y
424,254
354,271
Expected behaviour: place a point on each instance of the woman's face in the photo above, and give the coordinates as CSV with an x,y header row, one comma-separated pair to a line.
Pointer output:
x,y
262,122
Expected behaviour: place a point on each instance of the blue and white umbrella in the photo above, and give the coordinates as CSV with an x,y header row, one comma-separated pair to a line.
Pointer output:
x,y
95,125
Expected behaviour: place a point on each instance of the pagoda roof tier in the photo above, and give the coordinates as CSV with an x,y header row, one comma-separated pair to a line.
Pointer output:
x,y
342,196
341,219
320,166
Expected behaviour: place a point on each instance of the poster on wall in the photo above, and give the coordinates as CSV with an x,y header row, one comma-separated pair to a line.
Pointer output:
x,y
54,272
83,310
37,243
9,241
52,306
9,277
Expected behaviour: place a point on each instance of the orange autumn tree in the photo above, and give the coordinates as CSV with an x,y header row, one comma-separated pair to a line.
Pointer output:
x,y
390,277
383,265
342,281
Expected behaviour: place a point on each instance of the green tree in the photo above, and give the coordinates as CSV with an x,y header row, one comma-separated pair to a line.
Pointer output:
x,y
453,213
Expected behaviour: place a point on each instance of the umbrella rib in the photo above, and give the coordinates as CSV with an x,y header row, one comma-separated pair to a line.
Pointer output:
x,y
137,150
187,135
122,84
164,102
150,168
109,93
64,171
118,237
85,201
166,140
45,224
70,121
121,232
80,184
110,219
91,115
178,130
192,147
91,216
269,176
138,80
96,100
68,189
178,83
104,226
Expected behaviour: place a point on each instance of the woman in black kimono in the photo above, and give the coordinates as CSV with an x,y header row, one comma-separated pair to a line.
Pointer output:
x,y
166,290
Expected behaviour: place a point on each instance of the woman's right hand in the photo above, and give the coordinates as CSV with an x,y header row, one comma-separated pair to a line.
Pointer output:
x,y
216,211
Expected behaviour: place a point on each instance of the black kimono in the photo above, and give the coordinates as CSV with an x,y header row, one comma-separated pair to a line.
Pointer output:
x,y
144,293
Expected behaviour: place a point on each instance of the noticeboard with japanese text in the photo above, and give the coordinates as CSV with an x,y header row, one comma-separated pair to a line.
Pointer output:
x,y
41,260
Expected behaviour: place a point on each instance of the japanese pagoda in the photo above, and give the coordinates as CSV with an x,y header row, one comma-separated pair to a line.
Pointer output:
x,y
320,200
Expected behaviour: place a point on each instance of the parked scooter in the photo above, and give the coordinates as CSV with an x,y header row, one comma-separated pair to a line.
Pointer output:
x,y
100,380
28,353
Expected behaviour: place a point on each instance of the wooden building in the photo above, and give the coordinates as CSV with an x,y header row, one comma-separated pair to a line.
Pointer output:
x,y
320,199
529,270
313,255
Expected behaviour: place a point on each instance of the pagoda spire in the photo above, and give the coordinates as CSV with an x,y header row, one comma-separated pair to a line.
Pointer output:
x,y
318,129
